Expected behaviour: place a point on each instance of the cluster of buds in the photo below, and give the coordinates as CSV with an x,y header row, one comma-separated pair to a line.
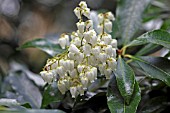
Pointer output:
x,y
87,53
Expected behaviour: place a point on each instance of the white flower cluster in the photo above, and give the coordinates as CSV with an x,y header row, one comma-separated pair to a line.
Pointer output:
x,y
85,54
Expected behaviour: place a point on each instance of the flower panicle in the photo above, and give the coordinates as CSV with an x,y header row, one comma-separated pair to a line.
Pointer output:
x,y
87,52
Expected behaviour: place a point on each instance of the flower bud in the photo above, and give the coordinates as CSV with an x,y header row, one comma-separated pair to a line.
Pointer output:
x,y
84,81
109,50
89,24
96,50
100,28
83,4
80,26
90,75
73,73
79,57
47,76
100,18
60,70
76,41
112,63
80,68
80,90
73,49
107,38
87,36
73,91
61,86
77,12
114,43
86,12
103,57
71,55
110,16
87,49
107,73
63,41
108,26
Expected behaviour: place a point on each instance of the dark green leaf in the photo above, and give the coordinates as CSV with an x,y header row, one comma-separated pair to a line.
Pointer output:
x,y
156,61
129,15
159,37
166,25
117,104
154,105
148,49
44,45
51,94
152,71
125,79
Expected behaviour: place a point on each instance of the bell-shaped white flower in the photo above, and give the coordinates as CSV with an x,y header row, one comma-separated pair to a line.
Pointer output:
x,y
94,70
71,56
90,75
110,16
87,49
87,36
100,18
63,41
73,91
85,82
80,26
114,43
107,38
47,76
73,73
60,70
89,24
109,50
93,40
103,57
107,73
73,49
73,35
83,4
79,57
80,68
100,28
101,68
76,41
86,12
77,12
108,26
61,86
96,50
112,63
80,90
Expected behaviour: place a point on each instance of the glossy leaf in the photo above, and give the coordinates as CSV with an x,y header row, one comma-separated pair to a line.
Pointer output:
x,y
129,15
158,37
117,104
156,61
25,88
148,49
125,79
152,71
51,94
44,45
